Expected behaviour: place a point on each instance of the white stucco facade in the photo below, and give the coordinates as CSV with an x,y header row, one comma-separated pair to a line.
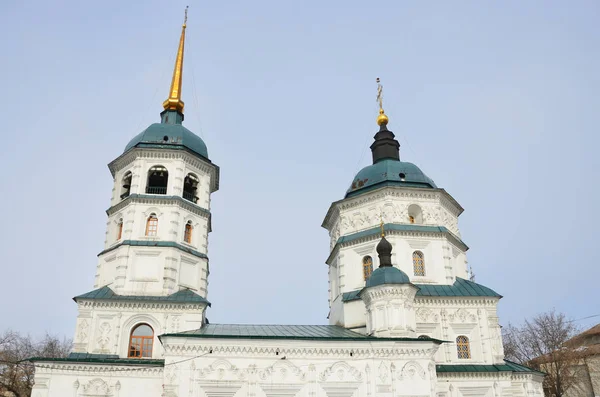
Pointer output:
x,y
391,361
413,325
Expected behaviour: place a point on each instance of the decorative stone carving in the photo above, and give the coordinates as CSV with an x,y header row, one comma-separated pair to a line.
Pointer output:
x,y
83,331
280,371
175,321
97,387
171,374
343,369
364,218
104,338
383,373
411,370
463,316
219,370
427,315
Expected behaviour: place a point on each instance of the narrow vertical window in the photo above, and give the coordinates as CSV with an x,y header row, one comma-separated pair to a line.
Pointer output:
x,y
126,185
463,349
187,236
367,267
152,225
415,214
418,263
190,188
141,341
120,229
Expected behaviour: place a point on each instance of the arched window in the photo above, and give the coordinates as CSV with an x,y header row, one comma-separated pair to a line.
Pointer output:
x,y
367,267
187,236
152,225
463,350
158,177
126,185
140,342
120,229
415,215
190,185
419,263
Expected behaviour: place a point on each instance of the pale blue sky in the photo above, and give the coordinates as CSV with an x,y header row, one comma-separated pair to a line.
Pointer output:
x,y
496,101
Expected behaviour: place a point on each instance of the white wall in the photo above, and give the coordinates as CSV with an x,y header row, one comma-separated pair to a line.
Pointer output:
x,y
52,380
104,327
301,369
266,368
145,270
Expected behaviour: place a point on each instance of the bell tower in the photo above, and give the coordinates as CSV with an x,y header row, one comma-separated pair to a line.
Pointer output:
x,y
154,267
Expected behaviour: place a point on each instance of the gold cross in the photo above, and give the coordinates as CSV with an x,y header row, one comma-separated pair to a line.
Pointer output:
x,y
379,93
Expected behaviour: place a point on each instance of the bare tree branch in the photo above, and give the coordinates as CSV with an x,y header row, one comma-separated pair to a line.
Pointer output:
x,y
16,374
541,343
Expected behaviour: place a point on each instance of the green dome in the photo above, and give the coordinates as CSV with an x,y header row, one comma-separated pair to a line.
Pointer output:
x,y
391,171
169,135
387,275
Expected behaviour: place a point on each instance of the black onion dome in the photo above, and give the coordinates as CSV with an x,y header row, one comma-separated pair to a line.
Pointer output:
x,y
384,250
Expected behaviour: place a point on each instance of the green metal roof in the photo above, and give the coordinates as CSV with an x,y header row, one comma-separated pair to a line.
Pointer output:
x,y
387,275
508,366
388,227
298,332
101,359
169,134
105,293
151,243
391,172
461,287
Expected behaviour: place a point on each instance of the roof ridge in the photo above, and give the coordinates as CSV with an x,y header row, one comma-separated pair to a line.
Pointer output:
x,y
287,325
181,296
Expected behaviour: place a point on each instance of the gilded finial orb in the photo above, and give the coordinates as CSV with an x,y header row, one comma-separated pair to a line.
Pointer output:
x,y
382,119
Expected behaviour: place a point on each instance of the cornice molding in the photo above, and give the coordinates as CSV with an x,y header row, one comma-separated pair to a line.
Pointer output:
x,y
375,235
404,292
159,200
504,375
155,244
128,305
194,347
435,302
42,367
385,192
462,301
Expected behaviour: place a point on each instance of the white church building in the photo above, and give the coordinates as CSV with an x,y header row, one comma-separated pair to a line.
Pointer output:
x,y
405,319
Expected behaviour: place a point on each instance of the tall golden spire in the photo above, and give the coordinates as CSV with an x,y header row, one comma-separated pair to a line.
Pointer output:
x,y
382,119
174,101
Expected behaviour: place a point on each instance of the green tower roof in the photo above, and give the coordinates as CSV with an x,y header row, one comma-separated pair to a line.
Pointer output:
x,y
389,171
169,133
